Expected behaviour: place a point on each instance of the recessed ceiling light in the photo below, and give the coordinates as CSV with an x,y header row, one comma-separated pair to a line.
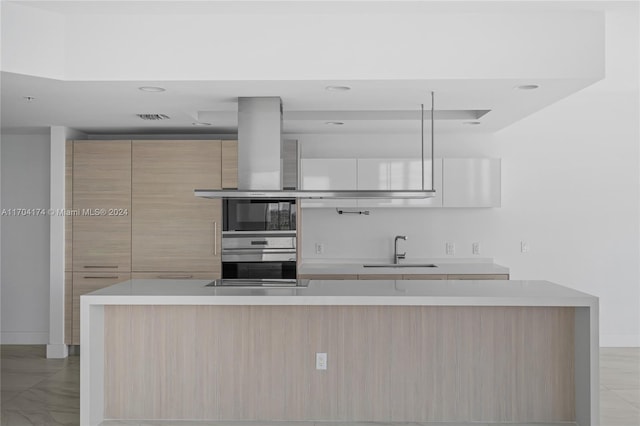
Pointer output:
x,y
201,123
334,123
29,98
472,123
528,87
152,89
337,88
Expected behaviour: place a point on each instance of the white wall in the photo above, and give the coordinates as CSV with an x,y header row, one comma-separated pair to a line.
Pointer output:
x,y
308,40
32,41
25,239
570,188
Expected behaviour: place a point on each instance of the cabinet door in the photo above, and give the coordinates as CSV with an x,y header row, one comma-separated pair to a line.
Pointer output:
x,y
399,174
172,229
102,198
229,164
329,174
471,182
68,205
86,282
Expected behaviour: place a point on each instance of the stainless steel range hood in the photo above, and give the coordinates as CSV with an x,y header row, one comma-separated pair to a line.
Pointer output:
x,y
265,168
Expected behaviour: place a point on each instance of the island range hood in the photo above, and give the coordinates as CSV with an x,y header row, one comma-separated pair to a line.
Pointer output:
x,y
267,170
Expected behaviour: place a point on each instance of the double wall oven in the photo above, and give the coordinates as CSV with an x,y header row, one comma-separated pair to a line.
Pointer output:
x,y
259,239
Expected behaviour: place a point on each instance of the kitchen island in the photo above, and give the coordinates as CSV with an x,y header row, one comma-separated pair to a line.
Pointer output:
x,y
397,351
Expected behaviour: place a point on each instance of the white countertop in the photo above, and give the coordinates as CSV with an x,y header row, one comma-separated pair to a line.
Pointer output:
x,y
443,267
345,292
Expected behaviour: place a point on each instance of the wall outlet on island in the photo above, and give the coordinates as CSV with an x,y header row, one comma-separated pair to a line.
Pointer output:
x,y
450,249
321,360
319,248
524,247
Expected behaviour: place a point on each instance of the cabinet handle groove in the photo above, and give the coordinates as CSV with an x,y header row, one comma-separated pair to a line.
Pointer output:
x,y
177,277
102,278
99,267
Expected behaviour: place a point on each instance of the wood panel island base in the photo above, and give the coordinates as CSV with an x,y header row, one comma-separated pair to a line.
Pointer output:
x,y
397,351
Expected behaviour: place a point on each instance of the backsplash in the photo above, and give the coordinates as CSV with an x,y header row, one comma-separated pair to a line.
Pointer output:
x,y
428,233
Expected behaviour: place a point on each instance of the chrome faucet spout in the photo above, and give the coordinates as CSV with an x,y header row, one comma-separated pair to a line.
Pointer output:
x,y
397,256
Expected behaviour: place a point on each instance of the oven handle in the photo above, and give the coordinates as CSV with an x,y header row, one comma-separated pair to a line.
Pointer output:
x,y
257,251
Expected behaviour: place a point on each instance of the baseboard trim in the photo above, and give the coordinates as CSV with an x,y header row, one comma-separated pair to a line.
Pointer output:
x,y
57,351
24,338
620,340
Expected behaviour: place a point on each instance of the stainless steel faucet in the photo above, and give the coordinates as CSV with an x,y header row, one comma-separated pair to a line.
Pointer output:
x,y
397,256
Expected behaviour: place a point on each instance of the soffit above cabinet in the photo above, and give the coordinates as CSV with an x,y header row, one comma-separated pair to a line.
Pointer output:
x,y
390,64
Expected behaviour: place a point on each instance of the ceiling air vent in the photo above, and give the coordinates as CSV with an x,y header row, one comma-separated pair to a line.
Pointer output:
x,y
153,116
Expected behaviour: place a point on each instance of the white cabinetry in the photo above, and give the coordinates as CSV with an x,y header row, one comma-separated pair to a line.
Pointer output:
x,y
399,174
328,174
471,182
459,182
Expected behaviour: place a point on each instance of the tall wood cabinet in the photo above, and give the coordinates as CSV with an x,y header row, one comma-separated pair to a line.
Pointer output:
x,y
172,230
100,189
102,197
135,215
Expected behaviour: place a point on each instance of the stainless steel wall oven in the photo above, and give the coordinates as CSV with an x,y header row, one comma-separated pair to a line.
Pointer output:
x,y
259,239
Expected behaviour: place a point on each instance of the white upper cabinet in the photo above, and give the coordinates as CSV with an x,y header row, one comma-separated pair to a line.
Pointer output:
x,y
328,174
459,182
398,174
471,182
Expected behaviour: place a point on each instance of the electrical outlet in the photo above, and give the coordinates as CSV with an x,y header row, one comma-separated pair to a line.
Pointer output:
x,y
475,248
450,249
321,360
319,248
524,247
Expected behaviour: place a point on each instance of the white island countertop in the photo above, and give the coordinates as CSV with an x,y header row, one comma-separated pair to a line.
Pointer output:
x,y
345,292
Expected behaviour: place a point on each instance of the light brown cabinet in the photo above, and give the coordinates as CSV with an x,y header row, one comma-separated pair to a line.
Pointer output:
x,y
102,199
172,230
152,224
229,164
98,233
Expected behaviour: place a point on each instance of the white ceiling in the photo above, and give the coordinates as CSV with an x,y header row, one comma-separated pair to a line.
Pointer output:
x,y
371,106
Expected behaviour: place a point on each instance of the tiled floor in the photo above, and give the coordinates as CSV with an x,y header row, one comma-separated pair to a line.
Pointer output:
x,y
45,392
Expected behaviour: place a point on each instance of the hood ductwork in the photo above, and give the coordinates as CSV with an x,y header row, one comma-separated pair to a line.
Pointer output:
x,y
268,165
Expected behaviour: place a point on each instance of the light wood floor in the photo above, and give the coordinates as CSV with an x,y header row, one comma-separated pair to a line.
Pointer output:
x,y
45,392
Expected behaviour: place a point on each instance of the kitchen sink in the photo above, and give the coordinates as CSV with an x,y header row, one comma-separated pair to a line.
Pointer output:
x,y
400,265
